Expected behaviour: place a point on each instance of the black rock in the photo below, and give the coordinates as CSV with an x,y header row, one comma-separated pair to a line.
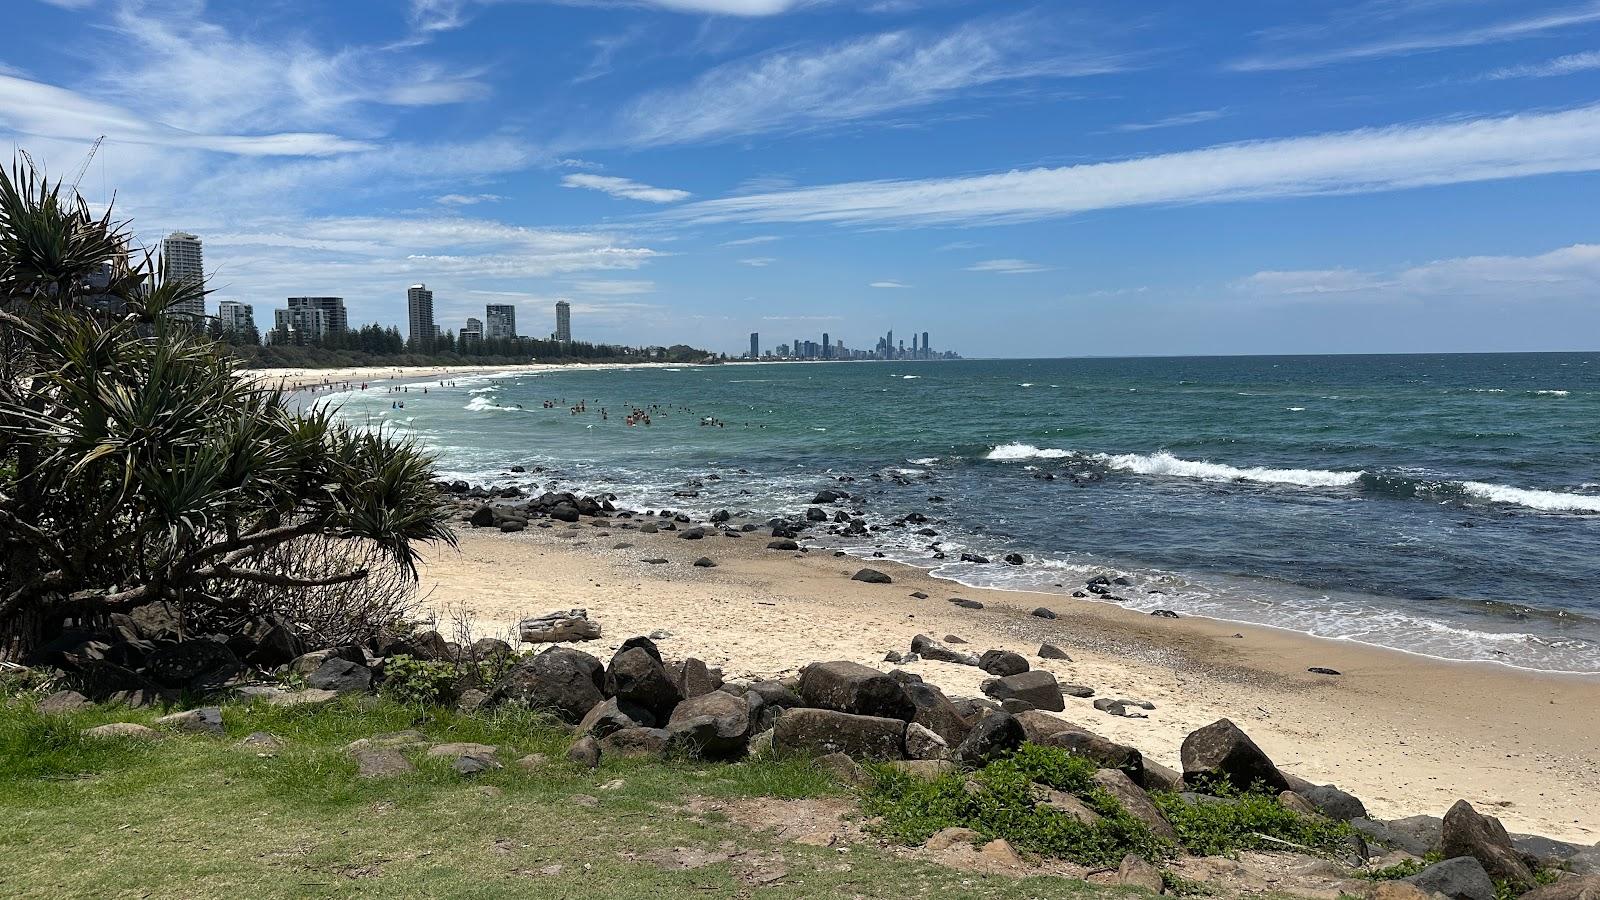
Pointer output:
x,y
818,732
1014,559
1164,614
342,676
561,679
993,737
783,544
974,558
704,562
871,576
1222,752
1037,687
1462,878
1003,663
1051,651
638,677
1043,613
1323,670
853,688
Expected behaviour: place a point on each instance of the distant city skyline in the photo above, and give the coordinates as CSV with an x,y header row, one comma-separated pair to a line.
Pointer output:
x,y
1034,179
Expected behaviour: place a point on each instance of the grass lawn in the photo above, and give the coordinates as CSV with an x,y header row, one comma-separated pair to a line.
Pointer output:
x,y
198,816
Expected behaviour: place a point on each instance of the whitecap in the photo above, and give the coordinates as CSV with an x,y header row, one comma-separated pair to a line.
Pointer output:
x,y
1550,501
1167,464
1295,408
1026,384
1025,451
1552,393
924,461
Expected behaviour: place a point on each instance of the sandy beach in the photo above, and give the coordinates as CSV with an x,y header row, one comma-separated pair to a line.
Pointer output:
x,y
1407,734
299,379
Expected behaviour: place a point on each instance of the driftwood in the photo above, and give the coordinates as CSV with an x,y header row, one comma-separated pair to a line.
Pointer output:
x,y
555,627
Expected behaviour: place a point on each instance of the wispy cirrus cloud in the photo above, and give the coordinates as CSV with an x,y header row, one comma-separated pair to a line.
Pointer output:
x,y
759,262
889,285
1361,161
1007,267
1422,41
1570,64
807,87
467,199
1571,272
625,187
1174,121
752,241
431,16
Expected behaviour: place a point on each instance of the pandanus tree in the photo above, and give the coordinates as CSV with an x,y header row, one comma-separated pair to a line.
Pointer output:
x,y
136,466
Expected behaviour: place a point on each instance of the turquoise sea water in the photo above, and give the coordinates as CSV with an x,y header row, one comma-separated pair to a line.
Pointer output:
x,y
1447,505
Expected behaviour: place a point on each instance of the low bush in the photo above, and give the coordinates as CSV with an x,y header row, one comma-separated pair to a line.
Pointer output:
x,y
420,682
1240,820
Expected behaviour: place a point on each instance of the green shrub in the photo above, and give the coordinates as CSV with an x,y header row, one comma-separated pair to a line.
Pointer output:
x,y
419,682
999,801
1241,821
1403,869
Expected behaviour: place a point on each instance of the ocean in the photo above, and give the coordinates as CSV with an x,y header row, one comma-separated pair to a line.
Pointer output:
x,y
1446,505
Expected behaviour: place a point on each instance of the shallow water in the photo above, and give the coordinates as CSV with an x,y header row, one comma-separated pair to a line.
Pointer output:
x,y
1446,505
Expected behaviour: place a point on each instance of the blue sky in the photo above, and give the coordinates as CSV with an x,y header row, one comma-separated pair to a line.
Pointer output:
x,y
1019,179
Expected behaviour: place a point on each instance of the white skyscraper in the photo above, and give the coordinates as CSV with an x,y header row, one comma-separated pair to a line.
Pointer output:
x,y
236,317
184,260
502,321
563,321
419,313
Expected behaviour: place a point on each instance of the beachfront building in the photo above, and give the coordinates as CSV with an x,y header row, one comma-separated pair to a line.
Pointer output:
x,y
236,317
500,322
755,345
298,325
419,316
472,332
335,320
563,321
182,258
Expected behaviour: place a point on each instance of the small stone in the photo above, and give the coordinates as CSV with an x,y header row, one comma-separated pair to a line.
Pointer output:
x,y
1137,871
1044,613
1323,670
1051,651
475,764
918,595
63,702
262,741
1164,614
842,767
206,720
381,762
946,838
586,752
129,730
704,562
533,761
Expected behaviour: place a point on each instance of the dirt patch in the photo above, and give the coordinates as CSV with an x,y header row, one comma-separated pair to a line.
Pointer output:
x,y
825,822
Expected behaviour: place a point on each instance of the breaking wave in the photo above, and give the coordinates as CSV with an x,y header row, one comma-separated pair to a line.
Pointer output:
x,y
1550,501
1006,452
1167,464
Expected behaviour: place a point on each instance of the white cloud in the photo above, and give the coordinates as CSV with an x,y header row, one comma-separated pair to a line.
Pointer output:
x,y
1561,65
430,16
614,288
889,285
1567,273
1190,118
1365,160
467,199
71,4
759,262
1499,32
858,79
625,187
751,241
42,110
1007,267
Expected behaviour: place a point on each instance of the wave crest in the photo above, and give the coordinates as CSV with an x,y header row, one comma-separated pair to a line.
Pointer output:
x,y
1007,452
1167,464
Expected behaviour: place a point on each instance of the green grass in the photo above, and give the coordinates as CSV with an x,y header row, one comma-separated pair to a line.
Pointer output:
x,y
997,801
197,816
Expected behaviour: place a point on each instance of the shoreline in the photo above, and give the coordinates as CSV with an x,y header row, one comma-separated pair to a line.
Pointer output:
x,y
301,379
1406,733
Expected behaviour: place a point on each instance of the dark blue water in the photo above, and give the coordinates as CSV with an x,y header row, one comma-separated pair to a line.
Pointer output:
x,y
1447,505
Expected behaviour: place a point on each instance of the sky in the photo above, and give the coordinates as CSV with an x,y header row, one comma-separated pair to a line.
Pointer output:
x,y
1019,179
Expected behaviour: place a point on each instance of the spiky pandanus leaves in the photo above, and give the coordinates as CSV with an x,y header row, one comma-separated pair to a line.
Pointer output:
x,y
139,466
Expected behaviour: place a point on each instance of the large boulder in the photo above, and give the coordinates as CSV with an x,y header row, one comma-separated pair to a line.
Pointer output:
x,y
927,647
1135,801
695,678
610,716
818,732
994,736
712,726
341,676
776,693
1569,887
1469,833
1221,752
1462,878
1105,753
1040,725
849,687
937,713
1003,663
636,742
559,626
1037,688
637,676
308,663
1328,799
562,680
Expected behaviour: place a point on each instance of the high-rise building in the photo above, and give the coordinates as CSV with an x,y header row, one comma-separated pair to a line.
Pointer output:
x,y
472,332
180,251
927,350
888,345
827,346
755,345
501,319
335,319
298,325
236,317
419,315
563,321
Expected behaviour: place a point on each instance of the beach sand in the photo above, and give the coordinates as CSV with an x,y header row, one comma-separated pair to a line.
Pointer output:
x,y
1407,734
298,379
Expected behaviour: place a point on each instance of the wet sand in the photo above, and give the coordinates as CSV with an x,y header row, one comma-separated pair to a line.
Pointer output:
x,y
1407,734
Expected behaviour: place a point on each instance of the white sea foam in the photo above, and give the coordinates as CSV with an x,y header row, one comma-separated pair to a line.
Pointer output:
x,y
924,461
484,390
482,404
1550,501
1552,393
1026,384
1006,452
1295,408
1167,464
